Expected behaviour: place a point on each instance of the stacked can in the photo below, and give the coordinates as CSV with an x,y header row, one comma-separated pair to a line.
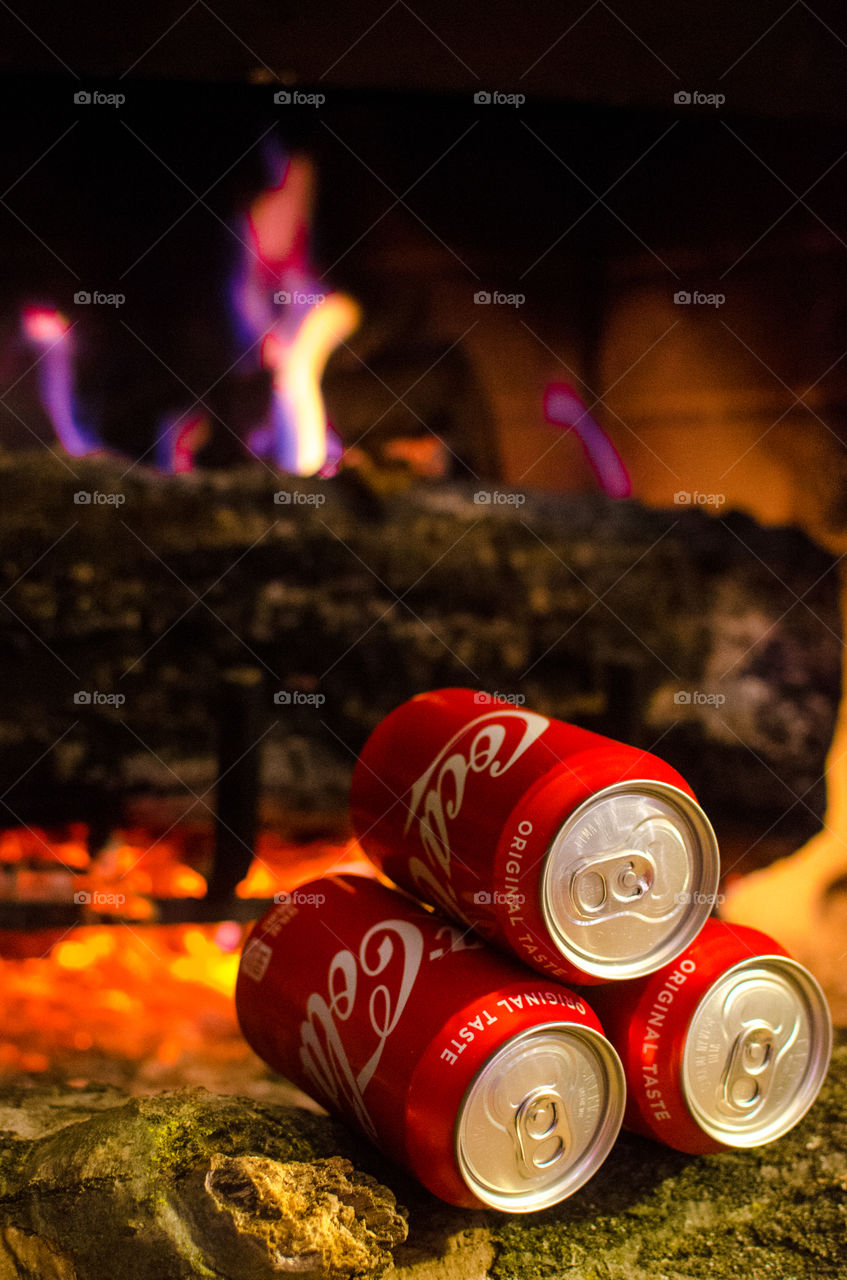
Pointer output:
x,y
493,1087
726,1047
591,862
588,859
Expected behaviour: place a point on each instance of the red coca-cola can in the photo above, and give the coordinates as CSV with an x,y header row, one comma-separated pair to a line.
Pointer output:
x,y
725,1047
590,860
495,1088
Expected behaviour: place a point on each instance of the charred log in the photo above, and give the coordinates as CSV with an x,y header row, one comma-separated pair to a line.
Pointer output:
x,y
714,641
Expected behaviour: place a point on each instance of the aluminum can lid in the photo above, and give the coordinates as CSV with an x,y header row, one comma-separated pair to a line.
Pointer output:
x,y
756,1051
629,879
540,1117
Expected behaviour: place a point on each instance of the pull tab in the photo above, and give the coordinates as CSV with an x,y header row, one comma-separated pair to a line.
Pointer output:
x,y
541,1134
604,886
749,1068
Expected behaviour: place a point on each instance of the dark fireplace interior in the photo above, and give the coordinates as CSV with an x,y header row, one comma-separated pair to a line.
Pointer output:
x,y
587,401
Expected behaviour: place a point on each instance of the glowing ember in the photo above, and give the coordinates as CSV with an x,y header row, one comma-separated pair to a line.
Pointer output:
x,y
271,870
279,304
30,844
131,993
134,869
424,455
48,329
123,993
563,408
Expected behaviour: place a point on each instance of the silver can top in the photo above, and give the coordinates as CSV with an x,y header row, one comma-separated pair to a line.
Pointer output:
x,y
630,879
540,1117
756,1051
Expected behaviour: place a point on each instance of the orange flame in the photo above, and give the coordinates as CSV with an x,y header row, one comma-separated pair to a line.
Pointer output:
x,y
298,364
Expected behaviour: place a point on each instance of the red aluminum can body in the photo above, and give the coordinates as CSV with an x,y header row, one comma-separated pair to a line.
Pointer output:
x,y
588,859
493,1087
725,1047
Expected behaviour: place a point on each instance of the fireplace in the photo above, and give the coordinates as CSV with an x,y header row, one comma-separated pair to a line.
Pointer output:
x,y
556,459
323,392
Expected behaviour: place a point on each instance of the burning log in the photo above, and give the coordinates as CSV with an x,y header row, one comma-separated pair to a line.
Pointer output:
x,y
654,627
184,1184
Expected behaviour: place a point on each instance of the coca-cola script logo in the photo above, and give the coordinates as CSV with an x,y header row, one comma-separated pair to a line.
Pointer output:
x,y
490,744
322,1052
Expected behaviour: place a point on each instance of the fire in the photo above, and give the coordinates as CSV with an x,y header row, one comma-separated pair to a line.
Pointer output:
x,y
44,325
300,430
26,844
563,408
52,332
179,439
282,316
131,992
278,302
